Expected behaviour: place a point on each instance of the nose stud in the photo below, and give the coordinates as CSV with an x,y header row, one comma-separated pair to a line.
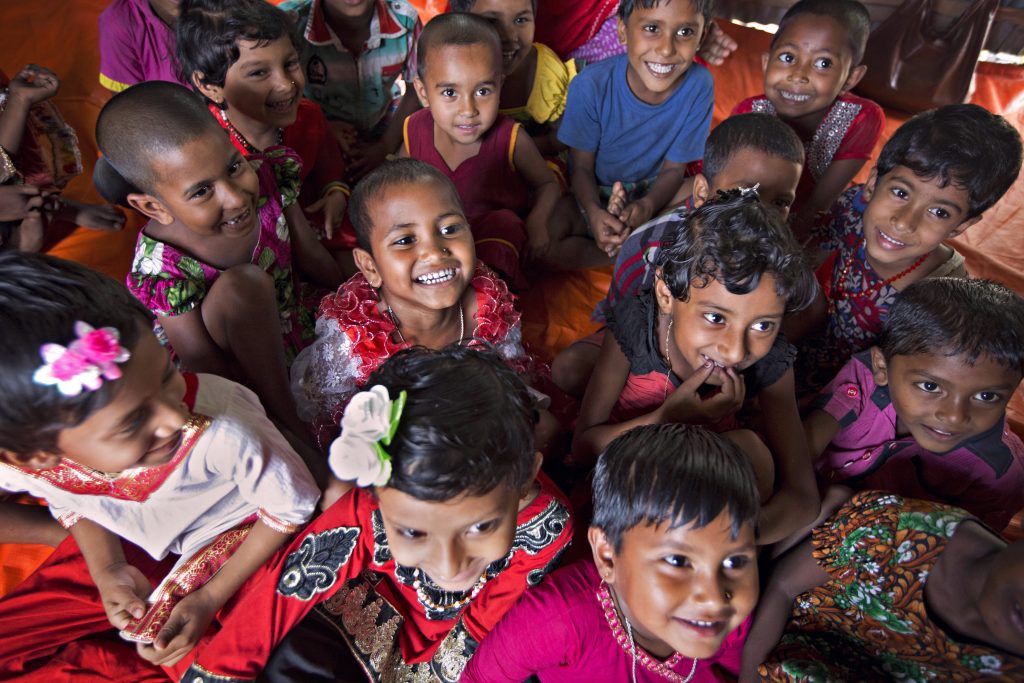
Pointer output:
x,y
728,595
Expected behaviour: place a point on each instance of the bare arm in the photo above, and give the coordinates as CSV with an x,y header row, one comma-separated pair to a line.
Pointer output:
x,y
819,430
32,85
608,231
123,588
369,157
538,176
828,188
308,254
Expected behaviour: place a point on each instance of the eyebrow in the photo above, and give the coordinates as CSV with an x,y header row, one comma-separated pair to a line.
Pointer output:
x,y
927,375
452,85
944,202
791,44
412,224
723,309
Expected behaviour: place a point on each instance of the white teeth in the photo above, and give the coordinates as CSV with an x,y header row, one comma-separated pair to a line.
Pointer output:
x,y
717,364
436,278
702,624
661,69
891,240
793,97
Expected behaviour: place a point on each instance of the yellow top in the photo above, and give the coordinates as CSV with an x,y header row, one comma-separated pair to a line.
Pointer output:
x,y
550,88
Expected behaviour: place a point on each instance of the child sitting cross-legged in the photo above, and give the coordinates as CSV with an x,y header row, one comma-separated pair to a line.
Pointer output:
x,y
813,62
164,479
705,340
673,578
934,179
923,413
634,121
218,261
892,589
450,522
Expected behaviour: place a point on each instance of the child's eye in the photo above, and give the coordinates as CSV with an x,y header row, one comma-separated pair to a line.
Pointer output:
x,y
483,527
899,193
257,73
201,192
448,92
483,92
292,64
988,396
783,203
940,213
449,230
822,63
411,534
649,28
685,32
736,562
786,57
235,167
930,387
403,241
522,20
715,318
679,561
763,326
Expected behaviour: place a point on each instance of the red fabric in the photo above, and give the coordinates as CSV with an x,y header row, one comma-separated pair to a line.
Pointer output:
x,y
565,26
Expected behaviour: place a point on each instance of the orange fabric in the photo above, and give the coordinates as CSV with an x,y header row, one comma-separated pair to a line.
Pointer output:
x,y
556,310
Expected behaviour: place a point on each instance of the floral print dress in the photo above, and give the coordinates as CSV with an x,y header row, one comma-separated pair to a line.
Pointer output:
x,y
170,282
870,622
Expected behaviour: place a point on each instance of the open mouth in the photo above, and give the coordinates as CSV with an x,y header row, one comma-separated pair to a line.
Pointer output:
x,y
941,434
719,366
238,221
509,56
161,453
283,106
437,277
793,97
701,628
890,241
660,70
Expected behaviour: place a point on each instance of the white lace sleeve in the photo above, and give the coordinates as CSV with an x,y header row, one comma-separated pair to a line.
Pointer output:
x,y
324,373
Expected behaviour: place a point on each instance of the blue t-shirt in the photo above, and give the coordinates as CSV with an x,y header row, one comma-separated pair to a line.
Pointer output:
x,y
631,138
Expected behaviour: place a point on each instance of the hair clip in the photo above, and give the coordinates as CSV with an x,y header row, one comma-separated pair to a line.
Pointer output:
x,y
744,191
84,363
368,425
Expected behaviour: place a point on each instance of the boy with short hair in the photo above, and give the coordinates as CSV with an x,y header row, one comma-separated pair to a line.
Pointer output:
x,y
638,119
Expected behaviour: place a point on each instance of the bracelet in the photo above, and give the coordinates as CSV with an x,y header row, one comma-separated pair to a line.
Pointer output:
x,y
337,187
8,170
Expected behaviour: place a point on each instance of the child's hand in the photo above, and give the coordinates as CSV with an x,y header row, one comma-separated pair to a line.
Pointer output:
x,y
95,216
608,231
538,239
333,205
346,135
685,405
716,45
123,590
636,213
33,84
16,201
188,622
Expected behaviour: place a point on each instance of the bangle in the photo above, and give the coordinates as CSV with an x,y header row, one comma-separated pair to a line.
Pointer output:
x,y
8,170
337,187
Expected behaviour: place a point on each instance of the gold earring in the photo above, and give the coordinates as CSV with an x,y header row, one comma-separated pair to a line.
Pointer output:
x,y
668,333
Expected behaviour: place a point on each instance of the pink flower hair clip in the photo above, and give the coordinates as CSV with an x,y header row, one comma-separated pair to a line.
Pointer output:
x,y
84,363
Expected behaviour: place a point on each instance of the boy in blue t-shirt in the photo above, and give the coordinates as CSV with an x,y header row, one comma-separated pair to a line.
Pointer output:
x,y
634,121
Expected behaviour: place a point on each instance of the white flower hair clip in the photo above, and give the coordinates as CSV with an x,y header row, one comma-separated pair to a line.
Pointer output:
x,y
368,425
84,363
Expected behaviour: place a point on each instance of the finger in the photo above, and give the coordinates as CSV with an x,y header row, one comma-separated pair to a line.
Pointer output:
x,y
697,378
316,206
328,227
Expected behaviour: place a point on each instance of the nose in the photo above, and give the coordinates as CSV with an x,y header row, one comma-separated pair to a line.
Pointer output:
x,y
902,219
953,411
667,44
450,559
710,590
168,415
433,248
233,195
798,72
732,348
467,106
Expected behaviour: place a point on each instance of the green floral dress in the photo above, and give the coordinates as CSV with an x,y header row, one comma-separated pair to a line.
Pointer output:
x,y
869,622
170,282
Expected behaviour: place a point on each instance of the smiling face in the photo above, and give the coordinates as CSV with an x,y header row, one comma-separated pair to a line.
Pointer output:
x,y
808,67
263,87
908,216
350,9
422,252
141,426
453,541
731,330
1002,600
661,43
515,23
684,589
942,401
462,87
775,177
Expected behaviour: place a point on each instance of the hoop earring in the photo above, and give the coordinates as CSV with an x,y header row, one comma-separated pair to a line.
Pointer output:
x,y
668,334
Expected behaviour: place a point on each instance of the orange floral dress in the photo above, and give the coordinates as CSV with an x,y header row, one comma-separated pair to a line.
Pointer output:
x,y
869,622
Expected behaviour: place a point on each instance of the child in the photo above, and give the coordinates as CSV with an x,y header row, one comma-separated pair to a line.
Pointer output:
x,y
712,319
451,523
638,119
813,63
240,56
673,580
139,461
859,608
493,164
749,150
137,43
419,285
353,53
214,263
940,171
40,150
923,414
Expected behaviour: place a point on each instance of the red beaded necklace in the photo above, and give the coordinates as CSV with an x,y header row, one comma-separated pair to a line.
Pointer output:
x,y
841,292
234,133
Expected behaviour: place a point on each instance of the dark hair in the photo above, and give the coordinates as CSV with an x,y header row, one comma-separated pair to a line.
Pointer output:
x,y
957,316
735,239
395,172
763,132
467,426
673,473
141,124
41,298
852,17
467,5
705,7
960,144
455,28
208,32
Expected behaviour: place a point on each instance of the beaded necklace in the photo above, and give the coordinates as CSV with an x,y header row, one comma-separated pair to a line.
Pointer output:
x,y
841,292
238,138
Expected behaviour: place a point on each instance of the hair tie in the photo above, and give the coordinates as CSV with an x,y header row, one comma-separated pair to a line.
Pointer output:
x,y
368,425
84,363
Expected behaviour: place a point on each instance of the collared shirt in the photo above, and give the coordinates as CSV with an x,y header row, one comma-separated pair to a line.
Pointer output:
x,y
357,88
135,46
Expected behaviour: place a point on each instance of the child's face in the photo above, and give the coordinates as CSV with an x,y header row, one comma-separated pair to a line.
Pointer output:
x,y
423,254
141,426
514,21
776,177
661,43
264,86
809,67
1002,600
908,216
462,87
731,330
941,400
452,541
684,589
350,8
206,186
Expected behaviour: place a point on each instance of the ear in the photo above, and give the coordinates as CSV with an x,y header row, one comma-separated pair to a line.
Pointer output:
x,y
764,61
620,30
538,460
856,73
701,190
869,186
963,226
421,92
214,93
39,460
878,367
604,554
151,207
662,295
367,266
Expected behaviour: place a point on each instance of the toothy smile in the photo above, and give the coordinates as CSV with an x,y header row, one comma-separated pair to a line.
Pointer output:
x,y
703,628
796,98
237,220
437,277
660,69
889,240
711,360
283,106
